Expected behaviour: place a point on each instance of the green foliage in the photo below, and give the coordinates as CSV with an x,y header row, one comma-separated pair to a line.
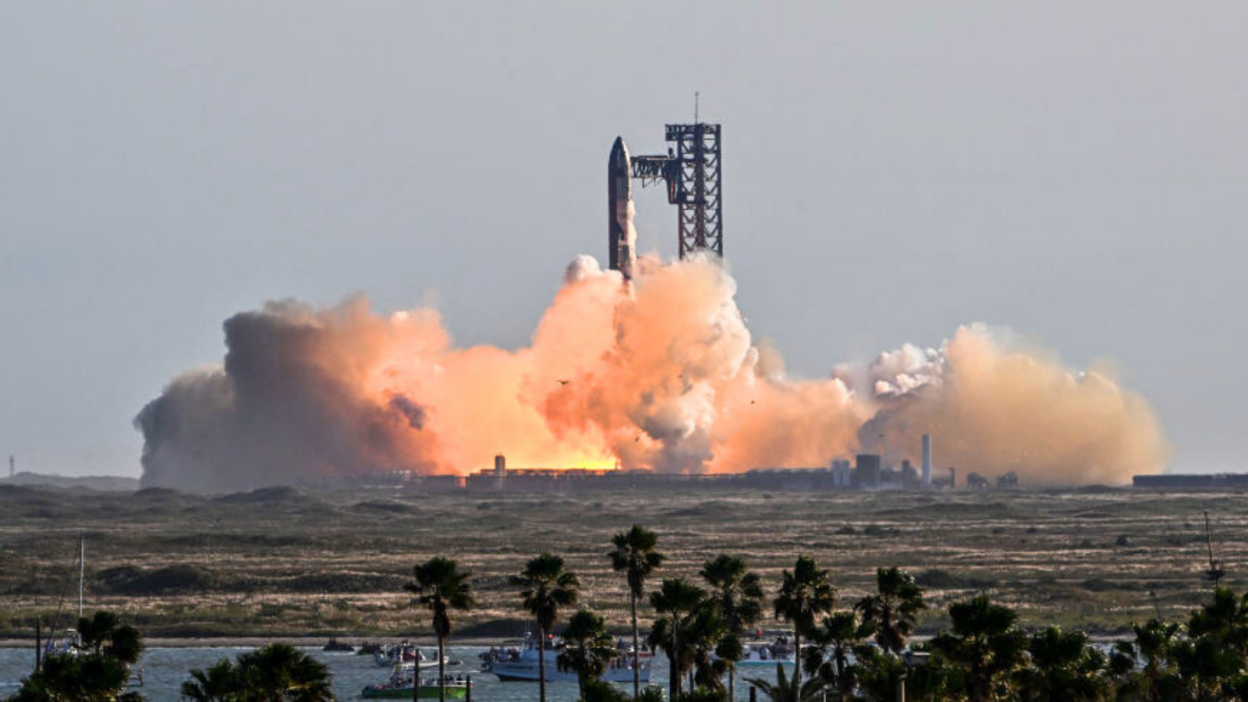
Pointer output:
x,y
831,644
275,673
440,587
588,648
1063,666
984,648
100,669
674,634
633,554
805,593
737,592
892,610
788,689
91,677
545,587
599,691
703,694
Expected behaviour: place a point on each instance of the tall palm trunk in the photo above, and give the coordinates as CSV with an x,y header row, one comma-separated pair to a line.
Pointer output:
x,y
632,598
441,669
732,681
674,684
797,655
541,664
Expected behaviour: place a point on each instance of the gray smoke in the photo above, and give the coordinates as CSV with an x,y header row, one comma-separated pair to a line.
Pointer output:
x,y
408,408
288,403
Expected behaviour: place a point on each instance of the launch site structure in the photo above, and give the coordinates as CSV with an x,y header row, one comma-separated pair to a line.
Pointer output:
x,y
692,172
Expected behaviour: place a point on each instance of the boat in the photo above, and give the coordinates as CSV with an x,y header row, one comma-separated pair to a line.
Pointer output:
x,y
517,661
336,646
71,643
368,648
399,686
407,654
768,653
67,645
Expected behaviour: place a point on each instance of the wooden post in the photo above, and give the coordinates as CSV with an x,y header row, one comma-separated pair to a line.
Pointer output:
x,y
901,687
38,643
753,694
469,694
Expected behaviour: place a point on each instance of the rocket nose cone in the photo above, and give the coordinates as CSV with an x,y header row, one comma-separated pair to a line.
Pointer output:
x,y
619,150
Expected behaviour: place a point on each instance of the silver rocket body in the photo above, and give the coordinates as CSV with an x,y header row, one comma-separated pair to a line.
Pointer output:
x,y
620,242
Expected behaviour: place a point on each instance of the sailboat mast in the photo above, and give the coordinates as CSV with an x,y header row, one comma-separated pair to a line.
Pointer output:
x,y
82,567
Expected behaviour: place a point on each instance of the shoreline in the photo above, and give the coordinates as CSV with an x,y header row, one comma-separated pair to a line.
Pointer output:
x,y
258,641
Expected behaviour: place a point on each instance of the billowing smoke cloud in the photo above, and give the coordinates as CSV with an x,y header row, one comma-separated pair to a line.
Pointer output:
x,y
996,407
659,374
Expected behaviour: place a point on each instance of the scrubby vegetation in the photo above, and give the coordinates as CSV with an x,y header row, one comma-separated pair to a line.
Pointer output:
x,y
289,562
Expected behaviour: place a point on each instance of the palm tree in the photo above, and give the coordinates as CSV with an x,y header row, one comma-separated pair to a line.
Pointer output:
x,y
599,691
804,594
1211,658
104,634
215,684
984,643
440,587
738,593
702,633
588,648
281,671
891,611
275,672
1155,644
545,586
676,596
1225,618
786,690
98,672
836,637
730,650
634,555
1063,666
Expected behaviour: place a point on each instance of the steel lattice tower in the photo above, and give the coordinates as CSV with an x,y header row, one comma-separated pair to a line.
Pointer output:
x,y
699,189
692,174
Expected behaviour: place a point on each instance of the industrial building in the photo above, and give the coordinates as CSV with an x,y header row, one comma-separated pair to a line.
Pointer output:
x,y
1214,481
866,473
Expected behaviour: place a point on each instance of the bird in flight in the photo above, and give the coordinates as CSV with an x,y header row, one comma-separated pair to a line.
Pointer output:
x,y
564,382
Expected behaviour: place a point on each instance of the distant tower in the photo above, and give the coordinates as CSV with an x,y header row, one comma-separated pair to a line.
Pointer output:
x,y
500,465
692,174
12,466
927,460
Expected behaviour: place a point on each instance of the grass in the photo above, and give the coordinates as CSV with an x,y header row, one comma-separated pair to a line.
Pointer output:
x,y
289,562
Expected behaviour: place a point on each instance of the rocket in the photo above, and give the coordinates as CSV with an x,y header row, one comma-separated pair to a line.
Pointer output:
x,y
620,233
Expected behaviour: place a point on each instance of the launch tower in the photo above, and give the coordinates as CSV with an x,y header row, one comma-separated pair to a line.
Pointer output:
x,y
691,171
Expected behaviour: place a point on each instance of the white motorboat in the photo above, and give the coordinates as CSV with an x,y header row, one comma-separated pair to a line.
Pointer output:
x,y
408,655
518,661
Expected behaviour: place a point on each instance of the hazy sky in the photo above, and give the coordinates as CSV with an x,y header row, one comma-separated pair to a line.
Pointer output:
x,y
1075,171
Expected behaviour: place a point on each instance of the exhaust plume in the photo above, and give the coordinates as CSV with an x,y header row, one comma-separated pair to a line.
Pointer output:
x,y
658,373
